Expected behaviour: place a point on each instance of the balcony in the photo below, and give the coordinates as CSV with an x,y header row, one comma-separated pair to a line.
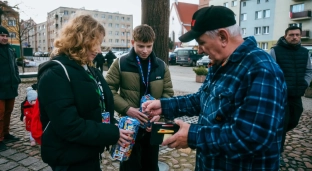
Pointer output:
x,y
305,34
303,15
56,16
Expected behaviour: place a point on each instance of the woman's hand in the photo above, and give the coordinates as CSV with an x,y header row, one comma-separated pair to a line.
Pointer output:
x,y
125,137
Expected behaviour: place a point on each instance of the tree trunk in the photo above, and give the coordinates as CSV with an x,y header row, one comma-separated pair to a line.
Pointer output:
x,y
155,13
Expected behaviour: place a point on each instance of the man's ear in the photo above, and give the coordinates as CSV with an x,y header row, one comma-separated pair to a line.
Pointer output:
x,y
224,37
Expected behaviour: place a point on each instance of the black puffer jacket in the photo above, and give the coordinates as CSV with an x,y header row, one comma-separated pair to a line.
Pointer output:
x,y
75,134
9,76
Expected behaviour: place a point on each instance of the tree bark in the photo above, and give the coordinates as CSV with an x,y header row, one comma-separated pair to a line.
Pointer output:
x,y
155,13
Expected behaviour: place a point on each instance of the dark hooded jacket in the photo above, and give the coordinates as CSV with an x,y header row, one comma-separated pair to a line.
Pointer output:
x,y
9,76
293,61
75,134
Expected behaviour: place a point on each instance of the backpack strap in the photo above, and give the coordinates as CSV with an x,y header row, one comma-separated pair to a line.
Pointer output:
x,y
65,70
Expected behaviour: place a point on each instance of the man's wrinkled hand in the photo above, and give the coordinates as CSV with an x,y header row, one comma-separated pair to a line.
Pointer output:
x,y
179,139
152,107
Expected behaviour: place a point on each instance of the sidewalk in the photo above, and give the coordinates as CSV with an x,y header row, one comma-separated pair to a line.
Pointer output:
x,y
22,157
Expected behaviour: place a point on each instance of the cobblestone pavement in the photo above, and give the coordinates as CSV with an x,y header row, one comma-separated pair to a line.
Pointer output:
x,y
22,157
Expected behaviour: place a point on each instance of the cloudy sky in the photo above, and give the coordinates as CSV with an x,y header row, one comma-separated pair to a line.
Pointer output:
x,y
38,9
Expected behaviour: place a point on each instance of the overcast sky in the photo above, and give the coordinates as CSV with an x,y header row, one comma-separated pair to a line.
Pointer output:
x,y
38,9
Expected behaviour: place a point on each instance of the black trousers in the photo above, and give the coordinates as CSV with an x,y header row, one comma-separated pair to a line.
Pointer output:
x,y
100,66
144,156
293,112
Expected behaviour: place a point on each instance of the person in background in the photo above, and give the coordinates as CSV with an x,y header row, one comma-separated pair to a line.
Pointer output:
x,y
240,104
110,56
296,65
131,77
99,61
73,98
9,81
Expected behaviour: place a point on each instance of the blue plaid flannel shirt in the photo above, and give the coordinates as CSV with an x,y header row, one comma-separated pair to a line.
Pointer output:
x,y
241,112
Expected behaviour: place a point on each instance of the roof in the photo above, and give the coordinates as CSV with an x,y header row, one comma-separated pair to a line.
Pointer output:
x,y
188,28
186,11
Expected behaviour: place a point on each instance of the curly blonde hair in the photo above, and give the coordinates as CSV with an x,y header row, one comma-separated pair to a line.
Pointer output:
x,y
78,37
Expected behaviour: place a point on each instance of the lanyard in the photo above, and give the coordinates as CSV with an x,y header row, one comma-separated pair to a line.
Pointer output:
x,y
100,89
148,73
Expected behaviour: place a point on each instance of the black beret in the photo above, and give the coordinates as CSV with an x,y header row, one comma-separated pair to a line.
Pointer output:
x,y
207,19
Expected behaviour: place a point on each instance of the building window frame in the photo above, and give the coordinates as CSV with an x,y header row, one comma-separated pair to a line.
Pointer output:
x,y
265,30
257,30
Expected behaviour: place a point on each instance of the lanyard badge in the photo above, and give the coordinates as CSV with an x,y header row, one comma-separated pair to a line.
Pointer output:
x,y
148,73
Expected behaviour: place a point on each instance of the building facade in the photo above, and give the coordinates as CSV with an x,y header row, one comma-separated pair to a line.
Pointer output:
x,y
10,20
118,27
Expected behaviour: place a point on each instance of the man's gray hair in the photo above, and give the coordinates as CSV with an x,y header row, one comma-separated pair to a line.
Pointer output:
x,y
233,30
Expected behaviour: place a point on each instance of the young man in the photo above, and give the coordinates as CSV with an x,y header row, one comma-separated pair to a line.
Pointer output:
x,y
295,62
240,105
9,81
135,75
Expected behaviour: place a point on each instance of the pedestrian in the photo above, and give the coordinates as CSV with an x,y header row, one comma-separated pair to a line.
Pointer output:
x,y
240,104
72,98
110,56
131,77
99,61
9,81
295,63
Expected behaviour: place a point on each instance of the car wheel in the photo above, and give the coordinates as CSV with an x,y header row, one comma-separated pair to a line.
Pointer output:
x,y
180,64
193,63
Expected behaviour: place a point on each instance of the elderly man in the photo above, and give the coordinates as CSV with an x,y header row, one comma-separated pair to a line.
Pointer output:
x,y
9,81
240,105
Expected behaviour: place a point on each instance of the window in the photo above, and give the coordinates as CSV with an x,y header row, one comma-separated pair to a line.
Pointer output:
x,y
116,40
266,13
258,1
110,33
110,25
123,26
117,18
122,40
95,15
243,31
128,18
258,14
265,30
12,34
110,17
297,8
244,17
257,30
116,33
73,12
103,16
122,33
12,23
296,24
244,4
117,25
264,45
266,0
65,12
234,3
110,40
122,18
226,4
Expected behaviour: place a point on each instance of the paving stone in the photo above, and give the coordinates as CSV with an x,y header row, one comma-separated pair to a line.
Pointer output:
x,y
8,166
18,156
38,165
28,161
3,160
20,168
8,152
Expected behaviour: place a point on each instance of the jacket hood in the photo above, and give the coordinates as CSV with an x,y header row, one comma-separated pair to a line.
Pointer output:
x,y
282,42
65,60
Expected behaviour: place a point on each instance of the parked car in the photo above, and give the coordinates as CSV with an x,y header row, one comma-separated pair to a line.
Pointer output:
x,y
27,62
187,56
46,54
38,54
204,61
172,58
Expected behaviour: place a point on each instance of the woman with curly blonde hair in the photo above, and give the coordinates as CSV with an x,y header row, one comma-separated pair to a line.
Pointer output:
x,y
71,107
